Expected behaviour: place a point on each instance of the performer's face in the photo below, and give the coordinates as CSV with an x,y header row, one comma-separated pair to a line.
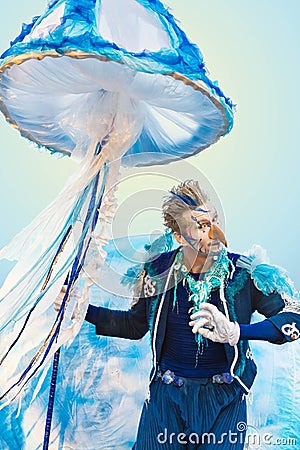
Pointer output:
x,y
201,230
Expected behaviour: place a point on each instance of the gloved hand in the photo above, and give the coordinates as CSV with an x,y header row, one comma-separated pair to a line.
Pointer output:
x,y
214,325
59,299
73,303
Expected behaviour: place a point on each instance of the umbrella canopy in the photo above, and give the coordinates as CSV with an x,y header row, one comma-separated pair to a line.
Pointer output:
x,y
85,67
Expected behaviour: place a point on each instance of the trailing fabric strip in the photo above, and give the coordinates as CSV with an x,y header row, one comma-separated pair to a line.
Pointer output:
x,y
90,220
72,280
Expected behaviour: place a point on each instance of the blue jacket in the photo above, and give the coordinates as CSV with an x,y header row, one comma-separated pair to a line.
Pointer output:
x,y
155,290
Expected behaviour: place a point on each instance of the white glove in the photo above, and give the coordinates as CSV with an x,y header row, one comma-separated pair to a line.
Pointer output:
x,y
59,299
214,325
73,303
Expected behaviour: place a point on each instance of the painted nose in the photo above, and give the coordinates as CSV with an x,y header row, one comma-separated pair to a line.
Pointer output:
x,y
216,233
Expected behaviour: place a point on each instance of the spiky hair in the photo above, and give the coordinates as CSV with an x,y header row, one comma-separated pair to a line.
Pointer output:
x,y
184,197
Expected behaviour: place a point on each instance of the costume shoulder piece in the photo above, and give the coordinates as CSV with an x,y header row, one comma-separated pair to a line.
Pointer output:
x,y
269,278
146,278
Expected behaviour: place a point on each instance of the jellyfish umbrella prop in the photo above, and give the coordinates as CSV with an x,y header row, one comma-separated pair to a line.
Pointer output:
x,y
104,82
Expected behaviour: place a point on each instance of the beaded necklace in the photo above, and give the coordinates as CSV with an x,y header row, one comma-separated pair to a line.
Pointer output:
x,y
200,290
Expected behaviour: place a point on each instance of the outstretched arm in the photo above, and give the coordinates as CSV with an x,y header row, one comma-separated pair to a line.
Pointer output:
x,y
131,324
262,331
283,313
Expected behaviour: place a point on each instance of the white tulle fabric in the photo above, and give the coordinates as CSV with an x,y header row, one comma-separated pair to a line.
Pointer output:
x,y
148,33
35,248
65,104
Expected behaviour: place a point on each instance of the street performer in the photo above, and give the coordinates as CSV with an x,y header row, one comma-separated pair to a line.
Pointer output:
x,y
197,302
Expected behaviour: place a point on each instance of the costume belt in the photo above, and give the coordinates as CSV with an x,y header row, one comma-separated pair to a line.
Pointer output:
x,y
169,377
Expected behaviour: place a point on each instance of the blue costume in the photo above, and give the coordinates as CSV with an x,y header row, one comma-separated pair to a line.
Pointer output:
x,y
222,405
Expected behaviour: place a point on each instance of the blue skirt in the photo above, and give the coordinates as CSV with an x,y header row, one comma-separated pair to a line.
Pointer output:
x,y
198,415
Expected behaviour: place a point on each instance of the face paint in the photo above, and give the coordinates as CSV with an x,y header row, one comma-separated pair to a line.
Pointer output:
x,y
202,210
202,232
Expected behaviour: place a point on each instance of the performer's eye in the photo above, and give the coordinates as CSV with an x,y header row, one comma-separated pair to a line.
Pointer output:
x,y
201,225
